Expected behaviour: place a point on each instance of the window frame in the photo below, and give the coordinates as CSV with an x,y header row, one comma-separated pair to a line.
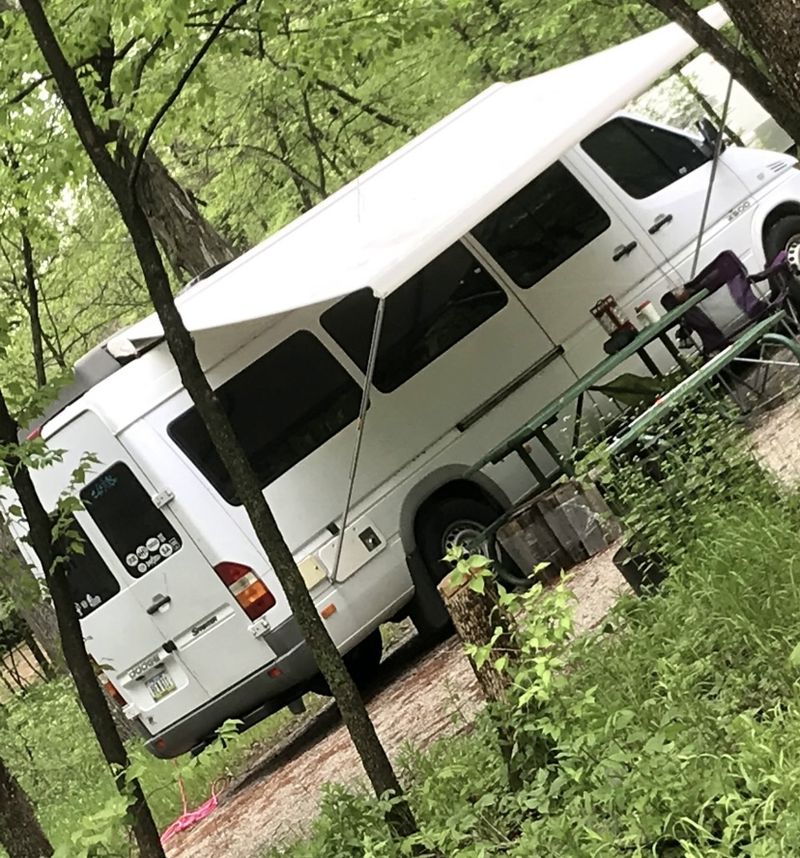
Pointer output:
x,y
128,562
387,390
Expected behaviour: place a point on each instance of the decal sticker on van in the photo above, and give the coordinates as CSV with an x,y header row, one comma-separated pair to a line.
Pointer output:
x,y
137,531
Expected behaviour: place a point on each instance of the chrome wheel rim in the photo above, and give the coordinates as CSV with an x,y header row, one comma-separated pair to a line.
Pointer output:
x,y
461,534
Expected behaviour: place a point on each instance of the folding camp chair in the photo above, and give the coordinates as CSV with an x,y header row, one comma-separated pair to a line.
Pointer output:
x,y
733,306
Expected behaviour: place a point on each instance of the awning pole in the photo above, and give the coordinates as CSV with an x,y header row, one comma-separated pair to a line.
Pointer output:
x,y
362,416
714,165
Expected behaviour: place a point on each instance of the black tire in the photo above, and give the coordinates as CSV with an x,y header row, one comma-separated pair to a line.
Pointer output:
x,y
455,521
782,234
362,662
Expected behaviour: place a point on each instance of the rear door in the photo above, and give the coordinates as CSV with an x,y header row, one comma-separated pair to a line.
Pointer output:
x,y
173,635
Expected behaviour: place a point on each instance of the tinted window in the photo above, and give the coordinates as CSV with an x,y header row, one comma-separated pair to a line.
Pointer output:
x,y
90,580
282,407
427,315
641,158
136,530
542,225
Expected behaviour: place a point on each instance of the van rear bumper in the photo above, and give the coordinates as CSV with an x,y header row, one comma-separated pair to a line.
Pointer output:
x,y
250,700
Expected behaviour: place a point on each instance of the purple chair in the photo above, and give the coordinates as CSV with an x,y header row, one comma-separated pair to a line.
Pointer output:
x,y
732,304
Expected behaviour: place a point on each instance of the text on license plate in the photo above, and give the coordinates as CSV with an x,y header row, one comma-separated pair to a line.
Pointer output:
x,y
160,685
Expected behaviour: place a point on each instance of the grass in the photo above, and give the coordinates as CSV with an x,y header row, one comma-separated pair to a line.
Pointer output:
x,y
673,732
676,731
46,739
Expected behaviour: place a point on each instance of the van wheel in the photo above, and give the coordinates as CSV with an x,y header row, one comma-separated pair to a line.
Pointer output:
x,y
457,522
784,234
362,663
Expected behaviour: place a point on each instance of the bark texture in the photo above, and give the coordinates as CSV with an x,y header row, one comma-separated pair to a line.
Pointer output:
x,y
190,242
770,27
475,617
24,590
20,833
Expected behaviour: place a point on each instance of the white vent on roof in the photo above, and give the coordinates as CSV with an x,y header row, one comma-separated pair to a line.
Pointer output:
x,y
120,347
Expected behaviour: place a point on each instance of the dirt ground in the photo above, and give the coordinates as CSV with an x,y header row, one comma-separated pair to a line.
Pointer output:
x,y
276,801
435,697
17,670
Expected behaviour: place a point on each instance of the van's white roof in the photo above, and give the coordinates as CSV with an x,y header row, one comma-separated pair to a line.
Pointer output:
x,y
382,228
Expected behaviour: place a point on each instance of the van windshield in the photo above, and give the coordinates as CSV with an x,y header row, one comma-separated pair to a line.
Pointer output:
x,y
283,406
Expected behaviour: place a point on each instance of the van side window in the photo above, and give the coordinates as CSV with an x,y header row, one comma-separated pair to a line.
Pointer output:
x,y
542,225
283,406
427,315
641,158
137,531
90,581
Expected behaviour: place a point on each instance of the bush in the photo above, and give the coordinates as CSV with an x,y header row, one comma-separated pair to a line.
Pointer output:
x,y
674,731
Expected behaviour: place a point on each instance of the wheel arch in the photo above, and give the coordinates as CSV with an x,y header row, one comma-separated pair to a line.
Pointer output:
x,y
445,482
777,212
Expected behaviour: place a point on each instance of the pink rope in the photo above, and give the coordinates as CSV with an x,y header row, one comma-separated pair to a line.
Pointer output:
x,y
190,819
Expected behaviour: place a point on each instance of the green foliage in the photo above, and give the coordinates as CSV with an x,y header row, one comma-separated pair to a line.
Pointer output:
x,y
47,743
671,732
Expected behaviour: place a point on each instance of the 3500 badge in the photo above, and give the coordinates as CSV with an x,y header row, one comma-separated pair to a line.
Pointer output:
x,y
739,210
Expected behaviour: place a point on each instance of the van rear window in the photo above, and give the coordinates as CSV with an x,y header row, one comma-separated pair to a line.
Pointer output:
x,y
283,406
137,531
91,582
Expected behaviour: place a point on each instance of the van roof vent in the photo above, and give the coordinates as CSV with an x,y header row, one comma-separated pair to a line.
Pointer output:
x,y
96,365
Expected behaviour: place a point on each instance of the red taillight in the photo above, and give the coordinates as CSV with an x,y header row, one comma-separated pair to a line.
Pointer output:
x,y
247,588
34,434
113,692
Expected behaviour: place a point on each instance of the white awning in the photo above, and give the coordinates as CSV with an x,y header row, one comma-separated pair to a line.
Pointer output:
x,y
383,227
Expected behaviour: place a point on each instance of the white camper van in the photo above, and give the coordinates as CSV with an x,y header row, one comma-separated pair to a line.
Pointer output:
x,y
177,599
174,592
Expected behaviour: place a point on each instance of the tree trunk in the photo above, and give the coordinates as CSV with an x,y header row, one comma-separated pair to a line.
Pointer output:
x,y
24,590
190,243
247,488
770,27
20,833
39,656
475,616
773,99
52,557
33,311
245,483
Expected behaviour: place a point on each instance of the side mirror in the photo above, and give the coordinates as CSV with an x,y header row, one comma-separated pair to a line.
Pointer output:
x,y
710,134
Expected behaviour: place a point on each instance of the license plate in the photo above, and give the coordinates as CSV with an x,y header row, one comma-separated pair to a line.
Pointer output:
x,y
160,685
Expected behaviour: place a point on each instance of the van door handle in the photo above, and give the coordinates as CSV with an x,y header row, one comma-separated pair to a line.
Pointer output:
x,y
660,222
158,603
624,250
